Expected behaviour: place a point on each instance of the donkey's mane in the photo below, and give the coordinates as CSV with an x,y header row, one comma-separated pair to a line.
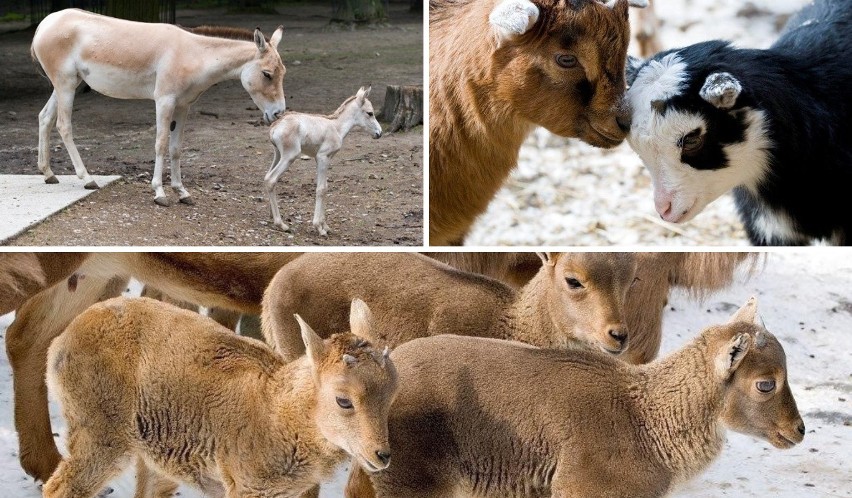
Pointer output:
x,y
228,32
339,110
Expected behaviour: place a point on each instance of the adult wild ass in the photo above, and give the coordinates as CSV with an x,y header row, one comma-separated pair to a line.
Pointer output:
x,y
298,133
132,60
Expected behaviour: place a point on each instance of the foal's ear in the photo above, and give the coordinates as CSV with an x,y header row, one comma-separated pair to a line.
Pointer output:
x,y
276,37
259,40
363,93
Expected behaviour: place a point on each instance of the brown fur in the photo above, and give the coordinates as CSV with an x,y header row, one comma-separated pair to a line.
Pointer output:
x,y
227,32
204,406
414,296
485,99
20,275
488,418
232,281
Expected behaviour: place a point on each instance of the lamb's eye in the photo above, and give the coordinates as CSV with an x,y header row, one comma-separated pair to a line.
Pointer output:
x,y
691,142
344,403
370,114
765,386
267,74
566,61
573,283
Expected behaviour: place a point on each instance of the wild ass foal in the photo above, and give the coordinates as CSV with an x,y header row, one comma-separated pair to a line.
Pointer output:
x,y
131,60
318,136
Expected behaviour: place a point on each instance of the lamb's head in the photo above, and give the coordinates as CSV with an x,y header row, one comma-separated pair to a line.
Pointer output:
x,y
586,295
355,385
695,127
558,63
752,365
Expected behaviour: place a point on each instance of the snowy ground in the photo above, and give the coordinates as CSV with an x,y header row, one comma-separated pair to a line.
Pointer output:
x,y
805,299
565,192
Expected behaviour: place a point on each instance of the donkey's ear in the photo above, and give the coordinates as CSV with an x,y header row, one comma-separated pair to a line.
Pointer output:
x,y
275,39
314,347
361,319
259,40
731,355
511,18
366,90
548,258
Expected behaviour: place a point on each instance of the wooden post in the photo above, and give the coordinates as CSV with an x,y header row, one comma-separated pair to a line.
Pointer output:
x,y
403,107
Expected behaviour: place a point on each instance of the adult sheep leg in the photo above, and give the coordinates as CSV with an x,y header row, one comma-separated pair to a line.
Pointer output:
x,y
165,114
282,160
42,318
65,107
46,122
175,143
322,188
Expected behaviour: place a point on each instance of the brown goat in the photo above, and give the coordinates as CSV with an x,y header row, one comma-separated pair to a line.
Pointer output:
x,y
575,299
479,417
500,67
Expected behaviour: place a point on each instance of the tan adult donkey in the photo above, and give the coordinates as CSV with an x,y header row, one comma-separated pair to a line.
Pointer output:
x,y
132,60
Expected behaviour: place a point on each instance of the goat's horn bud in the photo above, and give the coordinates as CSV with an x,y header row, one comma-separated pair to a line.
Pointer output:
x,y
349,359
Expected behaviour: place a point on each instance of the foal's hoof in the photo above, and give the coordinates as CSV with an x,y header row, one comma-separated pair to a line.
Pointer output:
x,y
51,180
187,200
91,185
162,201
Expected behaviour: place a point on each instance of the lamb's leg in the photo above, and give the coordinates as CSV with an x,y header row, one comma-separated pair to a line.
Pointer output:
x,y
165,113
65,106
314,492
282,160
322,188
46,122
37,323
93,462
175,143
151,484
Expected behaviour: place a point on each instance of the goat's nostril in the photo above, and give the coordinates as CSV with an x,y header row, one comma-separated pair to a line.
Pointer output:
x,y
801,428
384,456
619,335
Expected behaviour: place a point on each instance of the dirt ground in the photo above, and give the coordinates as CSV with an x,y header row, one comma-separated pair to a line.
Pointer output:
x,y
375,186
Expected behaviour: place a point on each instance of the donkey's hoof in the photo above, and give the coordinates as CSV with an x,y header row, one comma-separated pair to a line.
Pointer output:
x,y
91,185
162,201
187,200
51,180
283,226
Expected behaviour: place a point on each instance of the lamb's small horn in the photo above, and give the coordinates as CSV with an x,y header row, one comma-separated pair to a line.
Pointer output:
x,y
349,359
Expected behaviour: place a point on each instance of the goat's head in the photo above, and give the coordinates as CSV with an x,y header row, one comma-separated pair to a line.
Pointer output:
x,y
695,128
559,63
587,294
355,386
752,365
263,76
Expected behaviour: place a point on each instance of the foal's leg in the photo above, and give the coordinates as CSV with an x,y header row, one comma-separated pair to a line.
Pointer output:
x,y
284,157
65,105
175,143
46,122
165,114
322,187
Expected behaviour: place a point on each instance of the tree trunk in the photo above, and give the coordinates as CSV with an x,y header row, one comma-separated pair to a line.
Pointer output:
x,y
403,107
134,10
358,11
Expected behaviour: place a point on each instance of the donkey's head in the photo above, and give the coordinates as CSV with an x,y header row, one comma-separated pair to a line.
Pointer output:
x,y
362,112
263,76
559,62
753,368
586,294
355,385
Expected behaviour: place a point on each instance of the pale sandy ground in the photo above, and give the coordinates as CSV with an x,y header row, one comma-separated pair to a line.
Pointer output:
x,y
565,192
805,300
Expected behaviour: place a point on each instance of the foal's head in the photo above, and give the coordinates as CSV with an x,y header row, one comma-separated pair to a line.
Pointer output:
x,y
263,77
362,113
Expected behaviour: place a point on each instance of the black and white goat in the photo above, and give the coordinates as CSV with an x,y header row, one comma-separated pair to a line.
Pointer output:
x,y
774,125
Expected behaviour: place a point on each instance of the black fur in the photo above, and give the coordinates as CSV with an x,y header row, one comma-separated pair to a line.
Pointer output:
x,y
802,83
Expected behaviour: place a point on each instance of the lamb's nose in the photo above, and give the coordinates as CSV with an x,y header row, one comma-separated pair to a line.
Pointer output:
x,y
619,335
384,456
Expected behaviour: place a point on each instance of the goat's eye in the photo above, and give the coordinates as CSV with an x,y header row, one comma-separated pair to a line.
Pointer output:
x,y
573,283
765,386
267,74
692,141
566,61
370,114
344,403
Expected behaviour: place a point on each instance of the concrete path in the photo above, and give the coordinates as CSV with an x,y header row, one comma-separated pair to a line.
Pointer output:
x,y
26,200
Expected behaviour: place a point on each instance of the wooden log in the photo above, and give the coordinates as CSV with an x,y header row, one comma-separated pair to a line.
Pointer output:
x,y
403,107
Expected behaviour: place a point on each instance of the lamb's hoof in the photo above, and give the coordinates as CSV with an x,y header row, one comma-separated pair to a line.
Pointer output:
x,y
91,185
51,180
162,201
187,200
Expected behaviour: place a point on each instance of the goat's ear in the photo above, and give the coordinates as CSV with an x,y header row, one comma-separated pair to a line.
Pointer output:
x,y
360,319
747,313
259,40
731,355
632,68
548,258
314,347
511,18
721,90
275,39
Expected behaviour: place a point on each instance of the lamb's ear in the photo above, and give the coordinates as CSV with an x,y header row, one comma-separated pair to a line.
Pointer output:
x,y
511,18
632,68
259,40
314,347
548,258
747,313
275,39
721,90
730,356
361,319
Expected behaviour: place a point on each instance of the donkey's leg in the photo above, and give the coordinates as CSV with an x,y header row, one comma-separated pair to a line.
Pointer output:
x,y
37,323
165,114
175,143
65,106
46,122
322,187
282,160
